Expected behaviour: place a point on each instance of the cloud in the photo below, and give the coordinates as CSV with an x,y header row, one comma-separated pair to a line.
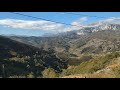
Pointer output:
x,y
112,19
51,26
79,21
83,19
42,25
27,24
76,25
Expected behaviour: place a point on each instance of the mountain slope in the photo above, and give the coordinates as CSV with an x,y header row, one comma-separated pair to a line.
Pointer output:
x,y
22,59
92,43
98,42
107,66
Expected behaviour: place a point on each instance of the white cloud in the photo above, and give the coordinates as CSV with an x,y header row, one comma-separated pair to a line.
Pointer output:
x,y
71,28
42,25
27,24
83,19
76,25
112,19
80,21
51,26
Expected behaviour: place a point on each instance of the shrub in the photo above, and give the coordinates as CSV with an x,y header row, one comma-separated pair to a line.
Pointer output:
x,y
49,73
30,75
116,71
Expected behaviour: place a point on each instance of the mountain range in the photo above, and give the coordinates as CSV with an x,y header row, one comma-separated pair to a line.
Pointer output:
x,y
94,38
36,54
98,26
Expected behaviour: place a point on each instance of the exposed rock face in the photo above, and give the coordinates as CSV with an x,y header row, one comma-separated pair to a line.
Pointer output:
x,y
98,27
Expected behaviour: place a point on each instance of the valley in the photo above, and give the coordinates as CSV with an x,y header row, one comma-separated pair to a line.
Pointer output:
x,y
66,57
49,49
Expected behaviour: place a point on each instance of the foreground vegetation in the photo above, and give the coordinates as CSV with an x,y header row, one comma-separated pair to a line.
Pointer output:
x,y
107,66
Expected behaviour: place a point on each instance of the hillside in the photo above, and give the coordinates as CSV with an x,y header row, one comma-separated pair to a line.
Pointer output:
x,y
20,59
83,56
93,43
98,42
107,66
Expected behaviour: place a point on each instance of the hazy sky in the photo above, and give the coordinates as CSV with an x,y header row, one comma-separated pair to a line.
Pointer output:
x,y
21,25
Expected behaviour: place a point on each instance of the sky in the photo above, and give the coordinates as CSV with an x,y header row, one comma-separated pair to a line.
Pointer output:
x,y
13,24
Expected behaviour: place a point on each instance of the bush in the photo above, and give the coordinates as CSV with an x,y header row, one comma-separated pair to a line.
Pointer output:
x,y
116,71
49,73
30,75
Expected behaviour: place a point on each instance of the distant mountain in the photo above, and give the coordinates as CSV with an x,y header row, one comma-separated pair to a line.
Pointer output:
x,y
96,42
95,38
98,26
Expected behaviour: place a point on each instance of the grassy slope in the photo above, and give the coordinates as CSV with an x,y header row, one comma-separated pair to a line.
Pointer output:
x,y
107,66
